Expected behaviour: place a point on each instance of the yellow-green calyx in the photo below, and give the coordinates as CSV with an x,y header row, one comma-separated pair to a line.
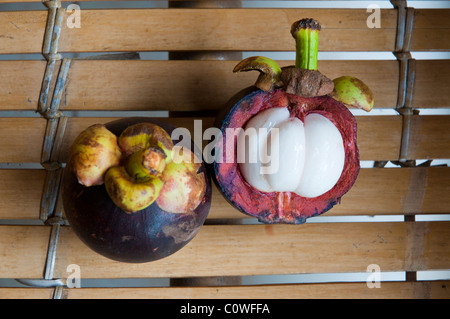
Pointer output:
x,y
145,163
270,71
353,93
138,167
128,193
92,153
137,184
144,135
184,186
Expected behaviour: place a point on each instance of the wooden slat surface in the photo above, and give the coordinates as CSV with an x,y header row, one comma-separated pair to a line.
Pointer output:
x,y
230,29
387,290
20,84
22,31
378,137
21,139
26,293
431,84
429,137
224,29
431,28
197,85
278,249
21,192
23,251
194,85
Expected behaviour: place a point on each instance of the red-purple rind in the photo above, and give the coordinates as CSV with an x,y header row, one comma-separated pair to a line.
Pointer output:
x,y
143,236
284,207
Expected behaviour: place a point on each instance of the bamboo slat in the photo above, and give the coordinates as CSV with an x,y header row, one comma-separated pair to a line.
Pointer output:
x,y
431,27
206,85
21,192
232,29
26,293
23,251
197,85
21,139
22,31
20,84
429,137
194,85
278,249
387,290
224,29
137,85
378,137
431,84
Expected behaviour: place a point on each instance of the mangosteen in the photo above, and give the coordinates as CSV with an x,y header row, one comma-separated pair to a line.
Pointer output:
x,y
131,194
288,144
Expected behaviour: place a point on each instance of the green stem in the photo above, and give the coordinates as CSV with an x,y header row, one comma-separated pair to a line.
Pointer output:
x,y
306,35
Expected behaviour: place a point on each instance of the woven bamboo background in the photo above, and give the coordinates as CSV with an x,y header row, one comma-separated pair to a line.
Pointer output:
x,y
174,61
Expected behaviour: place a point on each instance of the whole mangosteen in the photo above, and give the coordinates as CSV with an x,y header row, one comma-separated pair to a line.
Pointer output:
x,y
131,194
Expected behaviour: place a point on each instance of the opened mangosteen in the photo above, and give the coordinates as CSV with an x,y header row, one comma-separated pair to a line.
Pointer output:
x,y
288,144
131,194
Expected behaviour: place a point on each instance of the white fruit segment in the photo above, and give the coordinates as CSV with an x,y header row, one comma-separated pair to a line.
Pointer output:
x,y
283,154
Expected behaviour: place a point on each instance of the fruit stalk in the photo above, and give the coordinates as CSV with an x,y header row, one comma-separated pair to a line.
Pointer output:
x,y
306,35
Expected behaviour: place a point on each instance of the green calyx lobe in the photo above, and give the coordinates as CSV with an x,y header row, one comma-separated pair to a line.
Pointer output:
x,y
137,184
270,71
353,92
304,79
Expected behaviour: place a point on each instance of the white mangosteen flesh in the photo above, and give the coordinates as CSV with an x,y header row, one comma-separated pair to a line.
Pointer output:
x,y
280,153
